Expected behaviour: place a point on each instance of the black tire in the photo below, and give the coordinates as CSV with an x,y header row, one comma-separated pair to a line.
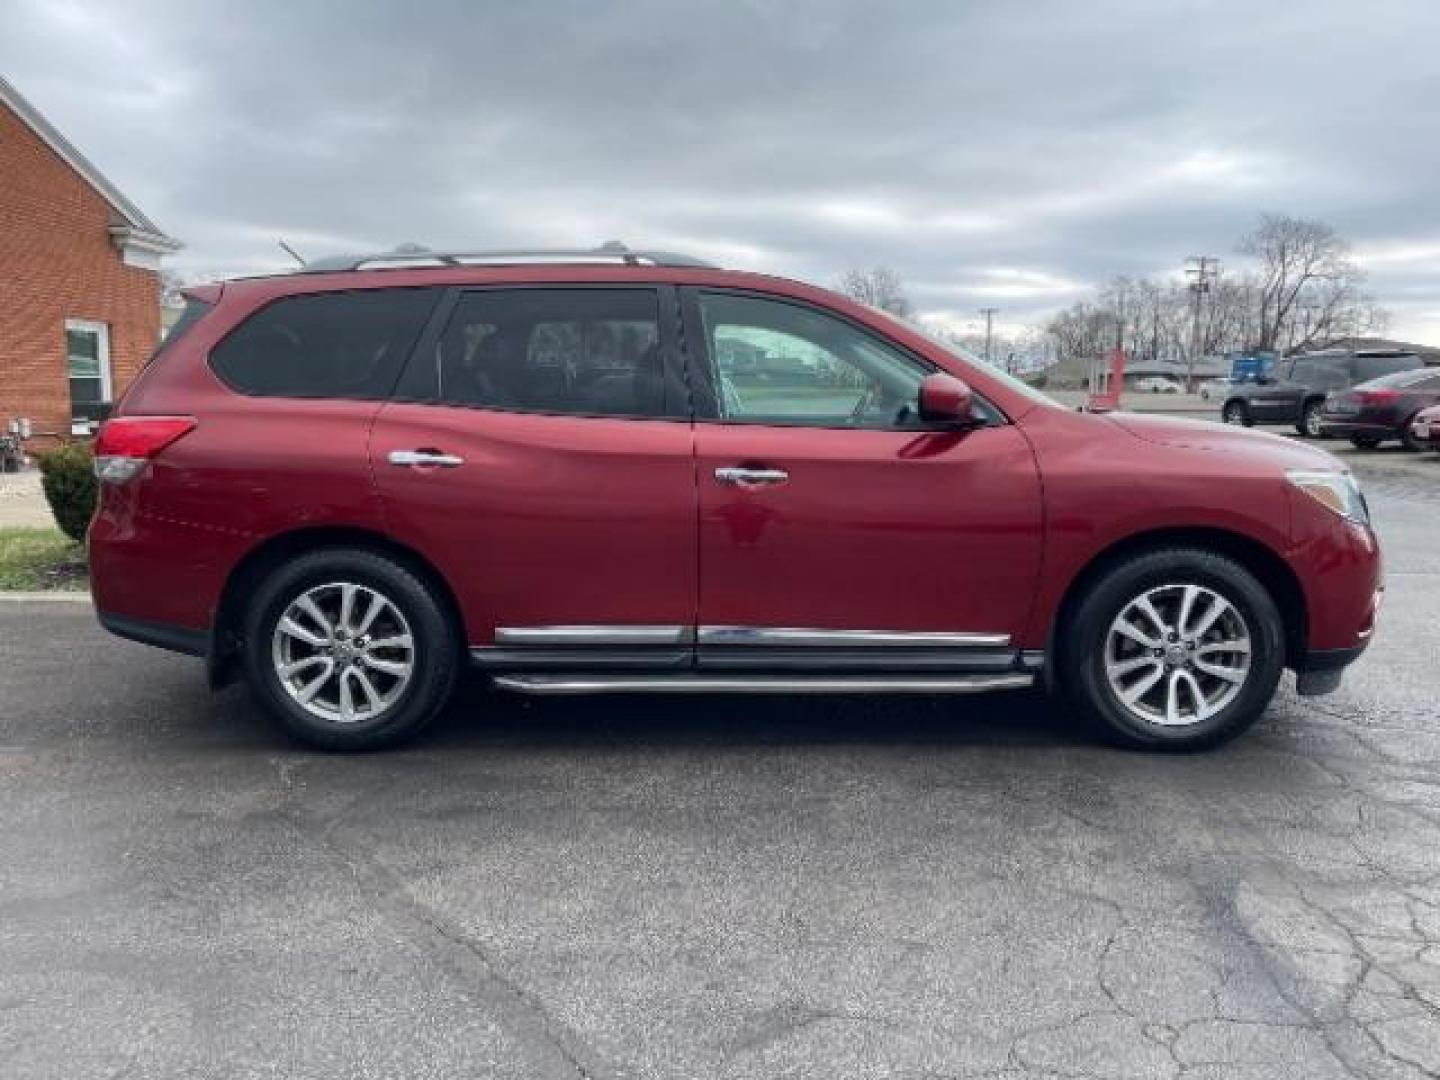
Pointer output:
x,y
1236,412
1364,442
1309,424
1082,644
1409,441
434,659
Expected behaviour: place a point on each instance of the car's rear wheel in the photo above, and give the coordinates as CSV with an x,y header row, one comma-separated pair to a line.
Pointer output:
x,y
1177,649
1309,424
350,650
1236,412
1409,441
1364,442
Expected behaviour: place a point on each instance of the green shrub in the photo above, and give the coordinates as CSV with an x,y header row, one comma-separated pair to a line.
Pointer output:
x,y
68,477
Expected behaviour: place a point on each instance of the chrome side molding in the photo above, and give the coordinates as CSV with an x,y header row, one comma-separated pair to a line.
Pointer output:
x,y
799,637
750,684
594,635
932,639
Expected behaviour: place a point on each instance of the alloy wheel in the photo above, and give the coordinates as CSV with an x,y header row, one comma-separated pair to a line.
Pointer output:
x,y
343,652
1312,421
1234,414
1177,654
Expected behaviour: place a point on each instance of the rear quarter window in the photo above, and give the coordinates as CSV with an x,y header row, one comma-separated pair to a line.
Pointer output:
x,y
1372,367
335,345
1416,379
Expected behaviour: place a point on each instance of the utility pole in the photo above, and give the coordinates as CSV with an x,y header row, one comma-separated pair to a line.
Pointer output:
x,y
1203,270
989,313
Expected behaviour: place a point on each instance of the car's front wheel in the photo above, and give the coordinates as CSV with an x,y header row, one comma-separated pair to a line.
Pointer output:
x,y
349,649
1309,424
1236,412
1177,649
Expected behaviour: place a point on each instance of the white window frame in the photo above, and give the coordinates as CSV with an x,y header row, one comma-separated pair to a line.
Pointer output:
x,y
102,351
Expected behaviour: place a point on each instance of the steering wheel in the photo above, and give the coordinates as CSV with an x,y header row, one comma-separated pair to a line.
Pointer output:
x,y
864,405
877,399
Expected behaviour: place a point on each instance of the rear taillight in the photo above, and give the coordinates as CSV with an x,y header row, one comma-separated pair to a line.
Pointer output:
x,y
126,443
1376,397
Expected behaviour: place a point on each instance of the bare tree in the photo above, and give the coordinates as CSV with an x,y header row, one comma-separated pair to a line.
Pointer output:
x,y
1304,292
171,285
1307,286
1083,330
879,287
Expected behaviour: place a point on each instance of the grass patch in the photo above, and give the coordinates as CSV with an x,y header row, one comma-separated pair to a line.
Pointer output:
x,y
41,559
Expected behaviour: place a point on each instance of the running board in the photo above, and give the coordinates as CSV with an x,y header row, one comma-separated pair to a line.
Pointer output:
x,y
751,684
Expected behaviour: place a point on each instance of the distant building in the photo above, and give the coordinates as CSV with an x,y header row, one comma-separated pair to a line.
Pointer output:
x,y
79,278
1206,367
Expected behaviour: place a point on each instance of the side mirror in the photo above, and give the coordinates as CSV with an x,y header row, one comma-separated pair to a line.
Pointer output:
x,y
944,399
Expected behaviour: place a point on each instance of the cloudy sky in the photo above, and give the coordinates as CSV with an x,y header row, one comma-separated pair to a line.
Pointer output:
x,y
997,154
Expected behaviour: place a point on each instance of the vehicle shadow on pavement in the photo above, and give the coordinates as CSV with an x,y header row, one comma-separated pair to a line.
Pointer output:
x,y
481,716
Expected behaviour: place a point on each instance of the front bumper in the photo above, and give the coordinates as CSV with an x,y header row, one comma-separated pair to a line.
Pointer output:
x,y
1428,432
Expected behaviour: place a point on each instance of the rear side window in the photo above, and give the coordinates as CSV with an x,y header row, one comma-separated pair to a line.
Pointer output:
x,y
1372,367
1419,379
338,345
591,352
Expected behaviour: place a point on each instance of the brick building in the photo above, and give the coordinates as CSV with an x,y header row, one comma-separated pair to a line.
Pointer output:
x,y
79,279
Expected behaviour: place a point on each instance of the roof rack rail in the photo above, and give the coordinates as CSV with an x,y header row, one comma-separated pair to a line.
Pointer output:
x,y
611,254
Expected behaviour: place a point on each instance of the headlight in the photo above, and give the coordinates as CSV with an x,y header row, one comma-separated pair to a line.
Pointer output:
x,y
1336,491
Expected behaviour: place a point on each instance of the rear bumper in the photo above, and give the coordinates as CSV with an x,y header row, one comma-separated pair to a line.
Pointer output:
x,y
1331,659
1319,670
156,571
180,639
1344,429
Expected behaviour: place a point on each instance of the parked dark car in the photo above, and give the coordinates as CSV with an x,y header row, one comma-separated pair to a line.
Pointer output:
x,y
1295,391
1381,409
1425,428
349,483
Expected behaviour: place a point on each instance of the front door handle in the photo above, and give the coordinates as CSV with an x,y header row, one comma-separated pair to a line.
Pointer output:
x,y
425,458
740,476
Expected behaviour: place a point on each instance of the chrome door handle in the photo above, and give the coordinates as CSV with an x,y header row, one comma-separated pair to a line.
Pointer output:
x,y
429,458
739,476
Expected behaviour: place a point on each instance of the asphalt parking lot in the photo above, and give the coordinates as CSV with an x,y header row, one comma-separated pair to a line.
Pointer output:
x,y
720,888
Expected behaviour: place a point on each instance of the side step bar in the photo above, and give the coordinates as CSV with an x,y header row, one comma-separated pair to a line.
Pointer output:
x,y
761,684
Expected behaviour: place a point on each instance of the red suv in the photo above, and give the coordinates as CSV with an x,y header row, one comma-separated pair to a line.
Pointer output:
x,y
623,471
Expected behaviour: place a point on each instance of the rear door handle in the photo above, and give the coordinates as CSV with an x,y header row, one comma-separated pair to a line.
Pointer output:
x,y
425,458
738,476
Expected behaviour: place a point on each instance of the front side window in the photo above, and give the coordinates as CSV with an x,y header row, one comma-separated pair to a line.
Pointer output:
x,y
331,345
773,362
87,360
590,352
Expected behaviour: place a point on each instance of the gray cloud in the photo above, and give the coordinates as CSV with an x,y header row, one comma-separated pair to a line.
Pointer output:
x,y
992,153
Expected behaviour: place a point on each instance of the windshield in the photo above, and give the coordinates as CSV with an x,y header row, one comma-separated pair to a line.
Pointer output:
x,y
968,358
